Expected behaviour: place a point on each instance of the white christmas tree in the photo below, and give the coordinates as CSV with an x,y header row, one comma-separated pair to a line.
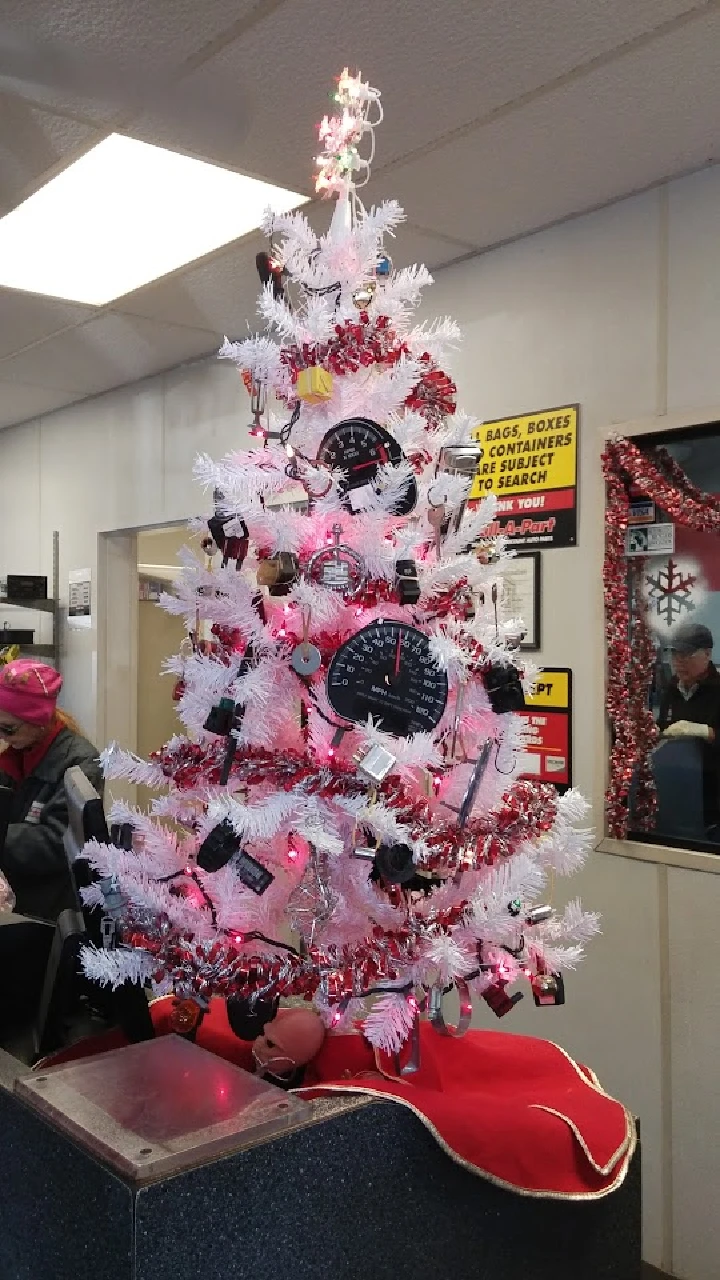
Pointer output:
x,y
341,819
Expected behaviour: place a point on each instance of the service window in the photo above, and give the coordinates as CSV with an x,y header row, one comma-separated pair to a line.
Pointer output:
x,y
673,574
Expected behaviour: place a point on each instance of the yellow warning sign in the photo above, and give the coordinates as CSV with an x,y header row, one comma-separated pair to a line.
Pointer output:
x,y
552,689
527,454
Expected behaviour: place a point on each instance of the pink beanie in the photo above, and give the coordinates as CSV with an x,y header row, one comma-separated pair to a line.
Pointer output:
x,y
29,690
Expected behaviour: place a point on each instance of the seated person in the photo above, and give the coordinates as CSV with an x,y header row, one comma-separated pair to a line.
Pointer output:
x,y
38,744
690,708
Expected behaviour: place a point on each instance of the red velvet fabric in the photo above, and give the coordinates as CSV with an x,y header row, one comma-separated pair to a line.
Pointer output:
x,y
515,1110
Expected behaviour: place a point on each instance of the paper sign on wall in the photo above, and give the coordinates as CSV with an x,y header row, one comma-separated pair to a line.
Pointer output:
x,y
530,463
80,598
650,540
642,511
547,739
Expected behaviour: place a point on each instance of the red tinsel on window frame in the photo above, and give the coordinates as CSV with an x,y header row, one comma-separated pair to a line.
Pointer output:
x,y
629,645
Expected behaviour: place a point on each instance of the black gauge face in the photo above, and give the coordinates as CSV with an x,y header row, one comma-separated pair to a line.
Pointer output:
x,y
358,447
387,671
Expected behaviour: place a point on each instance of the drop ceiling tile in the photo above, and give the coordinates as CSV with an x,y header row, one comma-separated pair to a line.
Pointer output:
x,y
173,30
26,318
218,295
649,115
106,352
33,145
128,39
438,67
416,244
19,402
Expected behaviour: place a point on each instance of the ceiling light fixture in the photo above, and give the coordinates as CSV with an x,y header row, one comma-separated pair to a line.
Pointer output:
x,y
124,214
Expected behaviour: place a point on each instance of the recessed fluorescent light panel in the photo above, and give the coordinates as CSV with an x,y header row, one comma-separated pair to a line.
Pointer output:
x,y
126,213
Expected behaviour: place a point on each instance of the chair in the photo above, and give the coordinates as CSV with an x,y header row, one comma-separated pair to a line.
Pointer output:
x,y
30,940
6,797
677,767
64,983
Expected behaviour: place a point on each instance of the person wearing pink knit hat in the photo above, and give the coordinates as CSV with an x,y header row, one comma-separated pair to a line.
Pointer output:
x,y
38,744
28,694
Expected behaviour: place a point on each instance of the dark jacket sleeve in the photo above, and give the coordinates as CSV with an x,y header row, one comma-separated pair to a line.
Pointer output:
x,y
36,849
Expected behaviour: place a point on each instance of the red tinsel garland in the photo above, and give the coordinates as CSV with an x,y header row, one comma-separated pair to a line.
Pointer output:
x,y
361,343
526,811
224,966
630,652
675,475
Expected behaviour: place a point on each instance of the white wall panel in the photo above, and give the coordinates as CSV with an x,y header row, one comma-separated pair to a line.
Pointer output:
x,y
135,453
21,547
206,410
694,290
695,1039
571,315
568,315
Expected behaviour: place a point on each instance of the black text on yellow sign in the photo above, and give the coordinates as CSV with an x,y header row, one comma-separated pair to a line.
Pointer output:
x,y
528,454
552,690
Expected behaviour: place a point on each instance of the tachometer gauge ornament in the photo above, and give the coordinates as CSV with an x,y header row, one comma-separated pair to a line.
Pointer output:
x,y
358,447
387,671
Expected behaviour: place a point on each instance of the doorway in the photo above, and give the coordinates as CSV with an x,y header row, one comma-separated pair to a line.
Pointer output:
x,y
159,635
135,707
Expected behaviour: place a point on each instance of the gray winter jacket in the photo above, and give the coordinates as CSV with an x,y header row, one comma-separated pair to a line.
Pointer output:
x,y
33,858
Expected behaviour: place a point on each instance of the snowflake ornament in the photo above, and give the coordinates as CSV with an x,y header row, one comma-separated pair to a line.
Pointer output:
x,y
670,591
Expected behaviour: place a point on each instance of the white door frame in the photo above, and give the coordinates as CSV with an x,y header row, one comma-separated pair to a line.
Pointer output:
x,y
117,641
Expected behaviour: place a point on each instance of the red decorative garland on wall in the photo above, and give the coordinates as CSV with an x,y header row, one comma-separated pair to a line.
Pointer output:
x,y
630,654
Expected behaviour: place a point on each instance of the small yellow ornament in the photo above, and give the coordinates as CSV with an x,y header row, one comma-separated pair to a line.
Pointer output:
x,y
314,385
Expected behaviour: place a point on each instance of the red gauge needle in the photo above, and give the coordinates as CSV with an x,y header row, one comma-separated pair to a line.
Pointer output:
x,y
376,462
397,654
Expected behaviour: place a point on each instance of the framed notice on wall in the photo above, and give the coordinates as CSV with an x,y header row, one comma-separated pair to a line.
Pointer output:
x,y
547,740
80,598
530,463
521,595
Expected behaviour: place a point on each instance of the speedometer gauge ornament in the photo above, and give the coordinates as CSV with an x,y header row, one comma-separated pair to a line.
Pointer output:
x,y
387,671
358,447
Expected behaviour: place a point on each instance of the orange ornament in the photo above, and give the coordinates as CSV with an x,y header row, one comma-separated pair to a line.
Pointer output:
x,y
185,1016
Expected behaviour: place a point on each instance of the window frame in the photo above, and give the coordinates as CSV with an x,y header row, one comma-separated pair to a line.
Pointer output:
x,y
661,430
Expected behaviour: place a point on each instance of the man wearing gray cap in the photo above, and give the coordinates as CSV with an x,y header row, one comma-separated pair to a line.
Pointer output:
x,y
690,707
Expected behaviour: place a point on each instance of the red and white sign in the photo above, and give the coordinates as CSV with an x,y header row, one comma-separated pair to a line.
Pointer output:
x,y
547,740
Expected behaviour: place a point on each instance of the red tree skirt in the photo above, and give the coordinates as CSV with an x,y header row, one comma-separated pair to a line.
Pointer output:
x,y
515,1110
